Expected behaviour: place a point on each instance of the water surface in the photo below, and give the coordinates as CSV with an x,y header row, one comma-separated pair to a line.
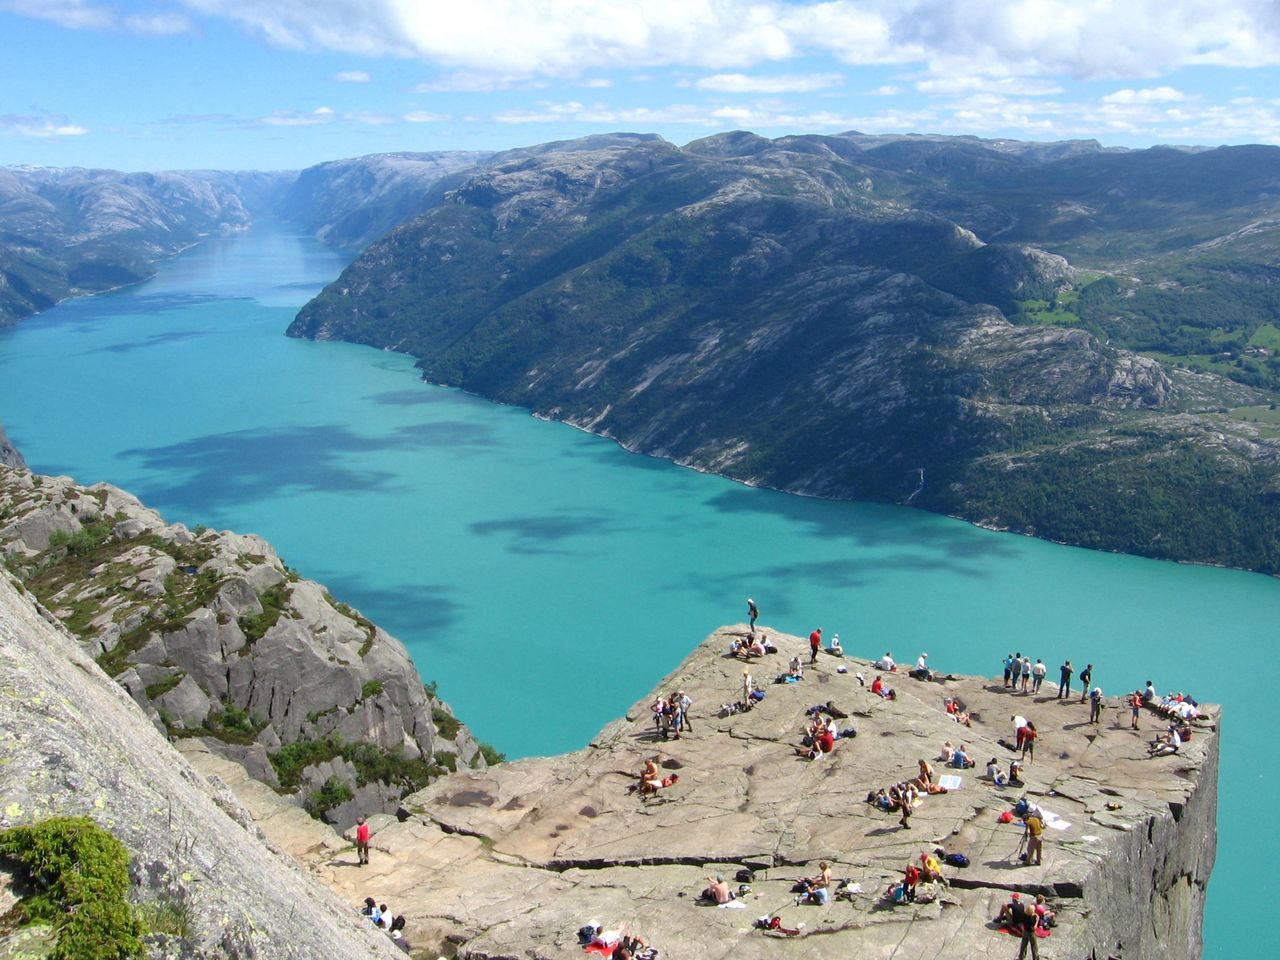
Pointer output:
x,y
546,578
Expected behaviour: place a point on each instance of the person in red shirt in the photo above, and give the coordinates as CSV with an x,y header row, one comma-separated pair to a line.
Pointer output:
x,y
362,840
815,644
877,686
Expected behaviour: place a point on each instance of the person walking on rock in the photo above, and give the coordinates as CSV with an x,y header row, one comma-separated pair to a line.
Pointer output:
x,y
753,612
1086,678
1064,684
362,840
815,644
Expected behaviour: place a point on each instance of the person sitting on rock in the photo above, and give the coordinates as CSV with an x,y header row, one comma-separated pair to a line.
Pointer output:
x,y
995,774
632,947
926,771
960,759
931,869
835,649
795,668
650,775
1015,773
886,663
948,752
397,934
717,890
817,890
1167,743
921,671
1044,916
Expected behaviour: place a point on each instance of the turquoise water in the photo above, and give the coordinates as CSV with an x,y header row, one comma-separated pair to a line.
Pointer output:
x,y
547,578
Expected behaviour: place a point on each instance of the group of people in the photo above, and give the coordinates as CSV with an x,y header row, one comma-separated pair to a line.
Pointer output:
x,y
901,798
650,779
956,756
1021,675
615,944
929,871
1025,920
381,918
671,714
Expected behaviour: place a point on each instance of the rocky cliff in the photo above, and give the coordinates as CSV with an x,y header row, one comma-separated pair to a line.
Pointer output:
x,y
72,743
216,639
9,455
509,862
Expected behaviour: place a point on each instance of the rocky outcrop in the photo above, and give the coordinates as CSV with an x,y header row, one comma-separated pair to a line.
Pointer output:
x,y
509,862
9,455
215,638
72,743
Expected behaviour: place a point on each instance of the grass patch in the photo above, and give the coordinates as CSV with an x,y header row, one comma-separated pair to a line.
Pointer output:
x,y
332,794
371,688
161,687
81,875
273,603
446,725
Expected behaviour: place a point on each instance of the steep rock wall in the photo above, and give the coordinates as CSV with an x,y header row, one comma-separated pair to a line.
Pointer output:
x,y
214,637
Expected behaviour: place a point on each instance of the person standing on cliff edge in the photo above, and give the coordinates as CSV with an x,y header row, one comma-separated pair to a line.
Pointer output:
x,y
815,644
753,612
1086,677
1064,684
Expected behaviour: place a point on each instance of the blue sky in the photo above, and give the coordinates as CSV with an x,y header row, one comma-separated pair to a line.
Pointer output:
x,y
282,84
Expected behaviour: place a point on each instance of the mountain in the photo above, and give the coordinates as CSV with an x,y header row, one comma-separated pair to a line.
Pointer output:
x,y
351,203
65,232
887,320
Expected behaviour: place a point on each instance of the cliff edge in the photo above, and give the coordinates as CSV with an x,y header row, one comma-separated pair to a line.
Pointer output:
x,y
509,862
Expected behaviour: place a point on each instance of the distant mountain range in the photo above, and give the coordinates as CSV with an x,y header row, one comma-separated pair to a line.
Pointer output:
x,y
1057,339
942,322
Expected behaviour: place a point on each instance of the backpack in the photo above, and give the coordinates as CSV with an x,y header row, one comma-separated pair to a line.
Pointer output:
x,y
957,859
743,876
1021,807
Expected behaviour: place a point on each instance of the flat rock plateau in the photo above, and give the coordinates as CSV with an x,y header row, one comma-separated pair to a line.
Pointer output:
x,y
508,862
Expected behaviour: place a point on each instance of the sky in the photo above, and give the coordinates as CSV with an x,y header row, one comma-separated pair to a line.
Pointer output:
x,y
283,84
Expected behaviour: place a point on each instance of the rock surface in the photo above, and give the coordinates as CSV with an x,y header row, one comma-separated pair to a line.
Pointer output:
x,y
72,743
509,862
9,455
214,637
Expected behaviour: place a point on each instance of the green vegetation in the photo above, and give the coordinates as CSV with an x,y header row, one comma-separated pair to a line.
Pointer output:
x,y
372,763
371,688
332,794
446,725
273,602
160,688
491,755
80,875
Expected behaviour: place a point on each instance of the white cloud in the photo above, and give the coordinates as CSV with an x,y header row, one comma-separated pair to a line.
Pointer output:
x,y
352,76
1009,86
40,126
780,83
293,118
421,116
1149,95
1084,38
88,15
598,83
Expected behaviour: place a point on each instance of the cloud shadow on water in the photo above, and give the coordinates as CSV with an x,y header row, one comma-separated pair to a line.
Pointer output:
x,y
410,398
155,340
869,525
532,535
414,613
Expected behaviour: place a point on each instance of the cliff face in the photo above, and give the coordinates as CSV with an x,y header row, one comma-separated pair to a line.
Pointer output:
x,y
822,319
215,638
73,743
9,455
509,862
